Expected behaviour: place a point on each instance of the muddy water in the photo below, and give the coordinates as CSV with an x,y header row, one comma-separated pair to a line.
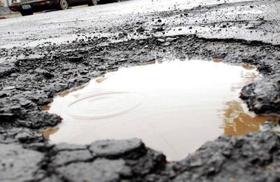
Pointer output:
x,y
174,107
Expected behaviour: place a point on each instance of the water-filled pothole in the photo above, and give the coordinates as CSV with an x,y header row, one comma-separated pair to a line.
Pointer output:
x,y
174,107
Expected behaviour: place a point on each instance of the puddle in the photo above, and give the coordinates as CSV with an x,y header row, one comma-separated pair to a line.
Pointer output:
x,y
174,107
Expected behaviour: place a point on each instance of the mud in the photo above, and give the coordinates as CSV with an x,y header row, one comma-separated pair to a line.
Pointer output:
x,y
30,77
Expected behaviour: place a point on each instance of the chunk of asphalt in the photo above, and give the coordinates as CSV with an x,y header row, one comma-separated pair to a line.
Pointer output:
x,y
101,170
67,157
69,147
263,96
38,120
18,164
116,148
226,158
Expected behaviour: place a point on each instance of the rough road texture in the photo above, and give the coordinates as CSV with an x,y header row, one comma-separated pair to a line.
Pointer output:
x,y
35,65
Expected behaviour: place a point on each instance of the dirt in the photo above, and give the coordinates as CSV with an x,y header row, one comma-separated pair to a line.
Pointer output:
x,y
31,76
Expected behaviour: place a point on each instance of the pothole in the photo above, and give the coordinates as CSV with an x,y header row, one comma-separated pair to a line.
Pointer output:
x,y
174,107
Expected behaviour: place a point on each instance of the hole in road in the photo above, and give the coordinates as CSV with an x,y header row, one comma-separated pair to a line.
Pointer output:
x,y
174,107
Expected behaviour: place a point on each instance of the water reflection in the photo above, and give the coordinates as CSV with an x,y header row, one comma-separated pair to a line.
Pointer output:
x,y
174,107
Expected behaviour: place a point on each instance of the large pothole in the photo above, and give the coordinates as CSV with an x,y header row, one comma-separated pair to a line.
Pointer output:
x,y
174,107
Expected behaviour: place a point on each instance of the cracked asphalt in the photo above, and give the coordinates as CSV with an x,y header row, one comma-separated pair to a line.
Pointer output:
x,y
47,53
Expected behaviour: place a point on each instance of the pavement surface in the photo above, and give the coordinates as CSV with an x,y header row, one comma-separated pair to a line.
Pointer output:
x,y
5,13
47,53
4,10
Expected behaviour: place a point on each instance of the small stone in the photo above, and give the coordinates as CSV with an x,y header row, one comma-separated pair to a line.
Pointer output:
x,y
166,44
161,40
170,39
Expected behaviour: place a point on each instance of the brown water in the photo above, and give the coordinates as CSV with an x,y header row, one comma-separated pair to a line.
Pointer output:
x,y
174,107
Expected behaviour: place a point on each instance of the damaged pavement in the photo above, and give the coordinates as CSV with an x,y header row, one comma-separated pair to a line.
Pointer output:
x,y
41,56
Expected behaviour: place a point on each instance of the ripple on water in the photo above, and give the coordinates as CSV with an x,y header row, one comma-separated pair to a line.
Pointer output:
x,y
103,105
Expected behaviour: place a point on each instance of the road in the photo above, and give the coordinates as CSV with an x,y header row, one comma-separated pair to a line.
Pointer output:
x,y
47,53
231,19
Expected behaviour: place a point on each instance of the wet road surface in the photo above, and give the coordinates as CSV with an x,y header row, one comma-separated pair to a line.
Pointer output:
x,y
248,20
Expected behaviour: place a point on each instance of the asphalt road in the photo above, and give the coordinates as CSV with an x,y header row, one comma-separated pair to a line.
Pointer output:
x,y
47,53
252,20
